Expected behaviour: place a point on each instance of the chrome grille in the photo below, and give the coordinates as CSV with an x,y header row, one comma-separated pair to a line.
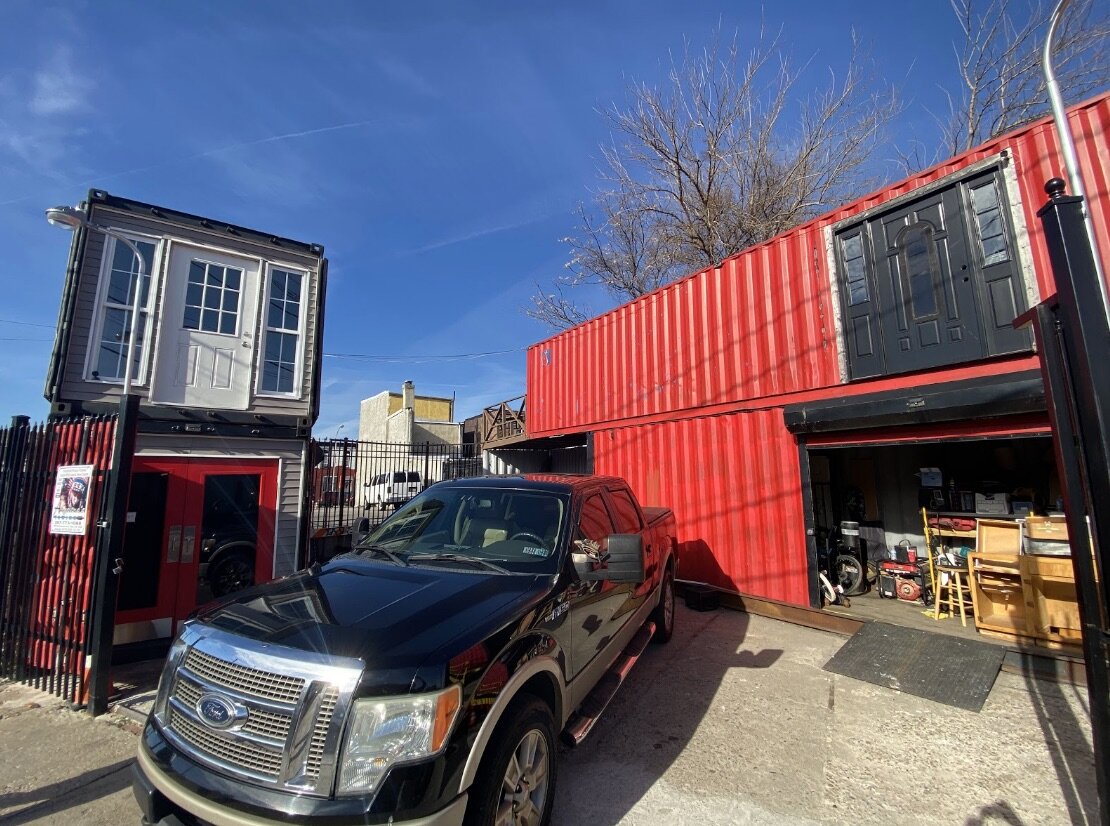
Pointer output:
x,y
187,691
320,733
235,751
241,678
289,709
268,724
265,723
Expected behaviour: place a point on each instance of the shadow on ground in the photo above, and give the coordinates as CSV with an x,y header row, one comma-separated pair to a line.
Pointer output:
x,y
47,803
653,721
1068,746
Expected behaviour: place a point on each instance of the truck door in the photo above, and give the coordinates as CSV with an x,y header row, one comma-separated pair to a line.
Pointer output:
x,y
595,607
629,519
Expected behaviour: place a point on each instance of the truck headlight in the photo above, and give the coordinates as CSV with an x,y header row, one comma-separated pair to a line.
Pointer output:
x,y
169,671
384,731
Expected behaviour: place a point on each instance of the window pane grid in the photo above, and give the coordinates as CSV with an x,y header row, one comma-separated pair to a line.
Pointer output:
x,y
115,321
285,302
283,314
212,298
852,250
989,224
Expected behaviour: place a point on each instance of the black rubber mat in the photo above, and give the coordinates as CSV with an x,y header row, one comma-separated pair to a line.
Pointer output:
x,y
949,670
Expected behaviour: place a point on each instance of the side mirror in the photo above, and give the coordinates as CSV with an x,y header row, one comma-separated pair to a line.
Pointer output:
x,y
623,563
626,558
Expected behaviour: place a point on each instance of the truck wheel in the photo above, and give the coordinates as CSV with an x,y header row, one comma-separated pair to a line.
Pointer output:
x,y
663,615
516,783
232,573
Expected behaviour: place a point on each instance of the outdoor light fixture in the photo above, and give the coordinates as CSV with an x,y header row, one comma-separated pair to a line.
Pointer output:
x,y
71,218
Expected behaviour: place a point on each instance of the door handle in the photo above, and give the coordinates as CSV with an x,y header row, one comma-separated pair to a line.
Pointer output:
x,y
188,541
173,547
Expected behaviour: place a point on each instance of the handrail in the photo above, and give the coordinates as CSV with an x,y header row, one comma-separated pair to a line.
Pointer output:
x,y
504,421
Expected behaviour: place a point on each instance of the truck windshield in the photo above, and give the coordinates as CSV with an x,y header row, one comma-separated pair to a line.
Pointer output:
x,y
519,529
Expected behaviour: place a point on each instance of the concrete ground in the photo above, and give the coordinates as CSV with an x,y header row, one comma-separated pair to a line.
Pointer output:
x,y
61,766
733,722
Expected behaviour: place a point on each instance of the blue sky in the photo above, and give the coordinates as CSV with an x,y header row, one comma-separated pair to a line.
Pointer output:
x,y
436,150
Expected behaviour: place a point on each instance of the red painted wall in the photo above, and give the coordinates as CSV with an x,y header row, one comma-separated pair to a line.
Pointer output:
x,y
733,482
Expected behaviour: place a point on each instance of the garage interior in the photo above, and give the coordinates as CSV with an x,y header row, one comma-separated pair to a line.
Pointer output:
x,y
867,501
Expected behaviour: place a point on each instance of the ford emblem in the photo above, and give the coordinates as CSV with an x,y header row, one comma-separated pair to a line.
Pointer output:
x,y
217,711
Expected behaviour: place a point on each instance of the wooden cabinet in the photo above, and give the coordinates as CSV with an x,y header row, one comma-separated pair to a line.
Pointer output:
x,y
1025,596
1051,607
997,593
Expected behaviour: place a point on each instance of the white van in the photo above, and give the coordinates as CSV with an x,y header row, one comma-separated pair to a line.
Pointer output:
x,y
393,488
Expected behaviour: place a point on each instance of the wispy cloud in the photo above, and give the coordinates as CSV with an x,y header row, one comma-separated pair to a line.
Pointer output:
x,y
57,89
38,109
406,76
481,232
246,169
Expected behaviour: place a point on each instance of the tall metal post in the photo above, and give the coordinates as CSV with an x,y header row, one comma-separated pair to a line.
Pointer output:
x,y
105,567
1075,342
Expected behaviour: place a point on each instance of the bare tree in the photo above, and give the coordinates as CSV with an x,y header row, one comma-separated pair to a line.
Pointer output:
x,y
726,154
999,60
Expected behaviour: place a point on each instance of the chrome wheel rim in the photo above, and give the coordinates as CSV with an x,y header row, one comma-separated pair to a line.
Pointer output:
x,y
524,787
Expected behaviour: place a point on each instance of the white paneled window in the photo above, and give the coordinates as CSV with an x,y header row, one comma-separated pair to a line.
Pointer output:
x,y
282,334
112,331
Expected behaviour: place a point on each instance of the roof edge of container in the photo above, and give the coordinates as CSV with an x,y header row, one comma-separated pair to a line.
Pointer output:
x,y
104,198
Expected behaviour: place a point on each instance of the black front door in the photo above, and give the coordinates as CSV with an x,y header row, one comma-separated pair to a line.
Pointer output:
x,y
923,274
931,283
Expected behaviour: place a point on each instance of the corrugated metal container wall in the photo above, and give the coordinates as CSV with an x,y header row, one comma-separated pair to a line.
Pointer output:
x,y
762,323
734,485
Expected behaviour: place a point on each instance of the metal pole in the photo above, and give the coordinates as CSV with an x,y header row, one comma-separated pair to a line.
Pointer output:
x,y
105,567
1073,352
1067,147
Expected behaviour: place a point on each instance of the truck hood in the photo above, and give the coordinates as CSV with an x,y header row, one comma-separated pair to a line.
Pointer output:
x,y
389,616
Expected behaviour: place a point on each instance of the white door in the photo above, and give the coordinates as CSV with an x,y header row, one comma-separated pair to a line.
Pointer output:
x,y
206,343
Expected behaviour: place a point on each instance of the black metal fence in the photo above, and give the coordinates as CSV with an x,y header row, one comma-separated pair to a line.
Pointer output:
x,y
354,481
1074,337
47,579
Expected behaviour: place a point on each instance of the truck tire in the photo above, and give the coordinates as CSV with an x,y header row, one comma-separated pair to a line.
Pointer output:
x,y
233,572
663,615
516,781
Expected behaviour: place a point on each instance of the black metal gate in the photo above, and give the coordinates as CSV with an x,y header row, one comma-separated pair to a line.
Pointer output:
x,y
358,484
47,587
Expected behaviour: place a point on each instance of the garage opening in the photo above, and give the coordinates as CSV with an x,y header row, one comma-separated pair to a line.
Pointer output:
x,y
872,501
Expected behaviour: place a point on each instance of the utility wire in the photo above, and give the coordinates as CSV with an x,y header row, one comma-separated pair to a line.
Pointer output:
x,y
24,323
448,357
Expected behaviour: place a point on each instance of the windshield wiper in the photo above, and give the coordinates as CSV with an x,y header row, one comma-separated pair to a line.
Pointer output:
x,y
384,551
440,557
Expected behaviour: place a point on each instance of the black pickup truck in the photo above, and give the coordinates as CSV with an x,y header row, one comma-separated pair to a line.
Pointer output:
x,y
423,677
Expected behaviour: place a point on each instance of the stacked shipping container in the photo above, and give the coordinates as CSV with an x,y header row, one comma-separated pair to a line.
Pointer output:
x,y
684,388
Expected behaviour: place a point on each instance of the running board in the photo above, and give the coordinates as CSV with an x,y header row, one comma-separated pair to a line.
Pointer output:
x,y
583,720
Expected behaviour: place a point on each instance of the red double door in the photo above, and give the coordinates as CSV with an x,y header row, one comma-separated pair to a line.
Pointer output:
x,y
197,529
